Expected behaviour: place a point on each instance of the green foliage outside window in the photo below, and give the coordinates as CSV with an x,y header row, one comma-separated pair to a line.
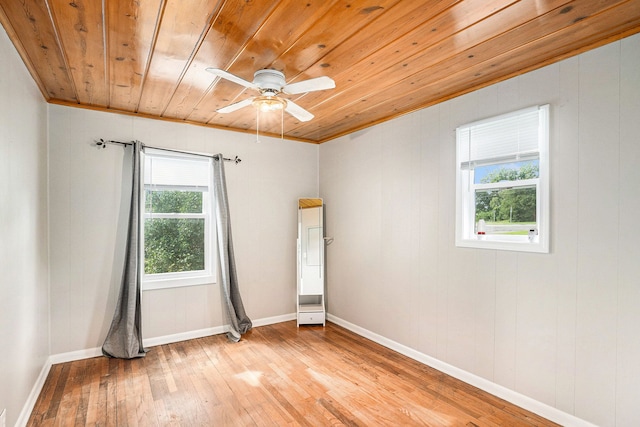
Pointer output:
x,y
173,244
513,205
172,201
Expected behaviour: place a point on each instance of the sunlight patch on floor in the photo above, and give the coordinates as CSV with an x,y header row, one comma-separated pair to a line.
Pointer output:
x,y
250,377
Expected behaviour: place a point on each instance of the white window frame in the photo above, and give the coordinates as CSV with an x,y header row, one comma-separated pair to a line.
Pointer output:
x,y
185,278
466,187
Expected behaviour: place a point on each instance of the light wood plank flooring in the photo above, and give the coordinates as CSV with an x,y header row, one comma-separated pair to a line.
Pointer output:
x,y
277,375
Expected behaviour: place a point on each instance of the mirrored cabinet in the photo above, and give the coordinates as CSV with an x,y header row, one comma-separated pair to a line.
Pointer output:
x,y
311,284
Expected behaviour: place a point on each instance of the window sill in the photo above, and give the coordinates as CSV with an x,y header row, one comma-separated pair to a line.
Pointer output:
x,y
177,282
504,245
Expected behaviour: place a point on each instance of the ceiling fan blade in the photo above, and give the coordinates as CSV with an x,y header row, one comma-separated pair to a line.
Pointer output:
x,y
231,77
298,112
235,106
311,85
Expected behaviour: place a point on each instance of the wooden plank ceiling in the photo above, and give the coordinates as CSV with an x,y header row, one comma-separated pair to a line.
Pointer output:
x,y
387,57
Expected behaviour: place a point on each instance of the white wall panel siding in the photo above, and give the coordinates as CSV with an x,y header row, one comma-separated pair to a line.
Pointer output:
x,y
89,224
628,321
506,319
446,218
536,327
398,163
427,234
598,204
461,304
564,227
561,328
24,283
485,311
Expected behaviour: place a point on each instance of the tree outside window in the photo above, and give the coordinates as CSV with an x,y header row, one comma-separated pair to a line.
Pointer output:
x,y
173,244
508,210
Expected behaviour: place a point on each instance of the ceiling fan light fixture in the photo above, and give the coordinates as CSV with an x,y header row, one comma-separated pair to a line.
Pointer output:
x,y
268,103
270,83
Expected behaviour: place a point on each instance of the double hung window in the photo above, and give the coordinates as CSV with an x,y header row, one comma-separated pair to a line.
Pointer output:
x,y
177,220
503,182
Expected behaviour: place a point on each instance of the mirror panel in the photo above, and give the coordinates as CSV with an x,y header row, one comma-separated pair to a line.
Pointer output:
x,y
310,246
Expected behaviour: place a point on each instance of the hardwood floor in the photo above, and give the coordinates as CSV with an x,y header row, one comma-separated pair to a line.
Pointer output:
x,y
277,375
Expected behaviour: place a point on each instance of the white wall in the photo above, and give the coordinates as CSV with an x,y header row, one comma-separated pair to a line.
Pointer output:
x,y
24,298
561,328
87,225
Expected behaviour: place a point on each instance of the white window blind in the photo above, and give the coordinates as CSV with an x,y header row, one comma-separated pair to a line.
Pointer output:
x,y
188,173
507,138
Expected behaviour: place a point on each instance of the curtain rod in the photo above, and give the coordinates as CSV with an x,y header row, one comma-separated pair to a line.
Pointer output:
x,y
101,143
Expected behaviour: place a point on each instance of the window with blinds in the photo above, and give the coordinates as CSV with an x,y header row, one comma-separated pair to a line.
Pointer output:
x,y
503,180
177,225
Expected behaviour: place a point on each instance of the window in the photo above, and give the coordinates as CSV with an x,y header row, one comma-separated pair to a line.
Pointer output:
x,y
502,199
177,230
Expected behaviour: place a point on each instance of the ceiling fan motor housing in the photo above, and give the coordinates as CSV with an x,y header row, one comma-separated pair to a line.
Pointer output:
x,y
269,81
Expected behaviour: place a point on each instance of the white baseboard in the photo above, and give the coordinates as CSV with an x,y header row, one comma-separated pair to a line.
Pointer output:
x,y
275,319
88,353
147,342
23,418
532,405
184,336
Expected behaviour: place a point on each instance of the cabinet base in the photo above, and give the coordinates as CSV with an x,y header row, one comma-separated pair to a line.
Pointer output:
x,y
311,318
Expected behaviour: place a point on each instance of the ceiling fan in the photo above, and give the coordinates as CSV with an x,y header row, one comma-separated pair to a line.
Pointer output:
x,y
270,83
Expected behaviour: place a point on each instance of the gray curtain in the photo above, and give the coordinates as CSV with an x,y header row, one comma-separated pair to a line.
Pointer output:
x,y
124,339
239,323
